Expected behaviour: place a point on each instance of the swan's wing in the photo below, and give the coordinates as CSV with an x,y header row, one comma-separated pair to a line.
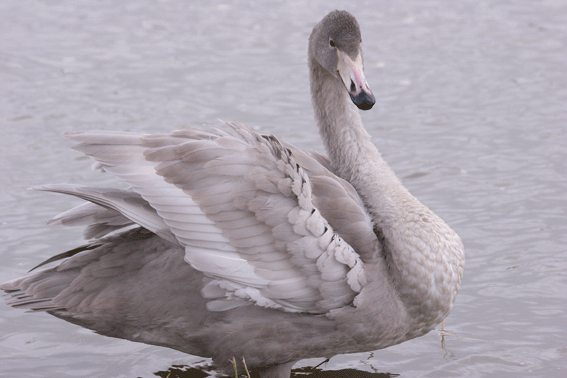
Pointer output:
x,y
339,204
120,208
321,159
99,221
245,212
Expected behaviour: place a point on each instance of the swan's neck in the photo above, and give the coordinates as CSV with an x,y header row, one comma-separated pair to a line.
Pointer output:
x,y
425,257
353,155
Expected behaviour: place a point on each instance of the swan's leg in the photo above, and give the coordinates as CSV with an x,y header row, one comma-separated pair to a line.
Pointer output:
x,y
278,371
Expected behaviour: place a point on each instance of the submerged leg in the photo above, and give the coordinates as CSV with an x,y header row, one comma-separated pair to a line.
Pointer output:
x,y
278,371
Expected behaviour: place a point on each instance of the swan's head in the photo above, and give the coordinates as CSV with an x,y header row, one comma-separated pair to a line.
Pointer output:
x,y
335,44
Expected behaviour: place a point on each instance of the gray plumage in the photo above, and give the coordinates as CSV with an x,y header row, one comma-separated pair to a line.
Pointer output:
x,y
231,243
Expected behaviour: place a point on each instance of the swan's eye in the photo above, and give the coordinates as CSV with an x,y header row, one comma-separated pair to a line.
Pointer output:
x,y
332,43
352,86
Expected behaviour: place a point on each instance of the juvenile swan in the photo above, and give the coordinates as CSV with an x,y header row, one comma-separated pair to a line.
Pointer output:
x,y
231,243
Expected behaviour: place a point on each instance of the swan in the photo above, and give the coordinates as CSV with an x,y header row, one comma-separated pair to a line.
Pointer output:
x,y
228,243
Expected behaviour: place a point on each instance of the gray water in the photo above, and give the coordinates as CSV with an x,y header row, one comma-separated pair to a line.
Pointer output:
x,y
471,113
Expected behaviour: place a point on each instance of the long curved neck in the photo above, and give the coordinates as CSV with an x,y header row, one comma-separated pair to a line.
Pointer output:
x,y
417,243
353,155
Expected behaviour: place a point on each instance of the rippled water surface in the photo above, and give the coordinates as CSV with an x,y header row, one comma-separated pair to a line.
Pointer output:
x,y
471,113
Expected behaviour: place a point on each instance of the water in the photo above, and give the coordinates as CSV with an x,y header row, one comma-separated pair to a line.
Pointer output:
x,y
470,113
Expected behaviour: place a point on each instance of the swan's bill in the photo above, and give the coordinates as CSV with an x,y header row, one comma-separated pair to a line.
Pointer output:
x,y
352,76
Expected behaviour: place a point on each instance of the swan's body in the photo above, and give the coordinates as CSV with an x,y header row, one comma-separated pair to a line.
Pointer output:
x,y
249,247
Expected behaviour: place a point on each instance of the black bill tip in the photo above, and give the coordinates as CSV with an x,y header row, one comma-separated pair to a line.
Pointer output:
x,y
363,100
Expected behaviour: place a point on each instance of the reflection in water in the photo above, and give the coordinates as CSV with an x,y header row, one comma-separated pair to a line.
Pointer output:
x,y
448,354
178,371
343,373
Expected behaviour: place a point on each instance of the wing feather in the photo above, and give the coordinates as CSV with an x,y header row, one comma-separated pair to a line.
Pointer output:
x,y
265,222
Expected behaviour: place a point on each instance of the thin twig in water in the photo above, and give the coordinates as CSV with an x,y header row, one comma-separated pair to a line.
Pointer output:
x,y
233,361
324,362
234,365
245,367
